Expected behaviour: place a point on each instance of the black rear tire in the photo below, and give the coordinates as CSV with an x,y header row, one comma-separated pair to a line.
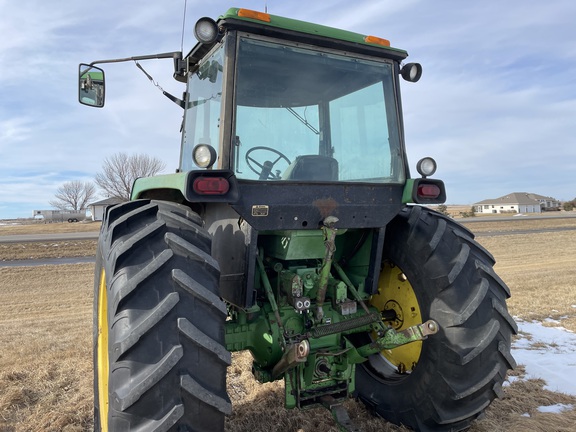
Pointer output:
x,y
460,369
159,360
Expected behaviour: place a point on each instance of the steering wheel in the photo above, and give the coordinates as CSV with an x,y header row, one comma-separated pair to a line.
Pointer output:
x,y
265,171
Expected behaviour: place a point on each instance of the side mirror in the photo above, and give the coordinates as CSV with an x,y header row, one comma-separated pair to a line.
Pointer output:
x,y
91,86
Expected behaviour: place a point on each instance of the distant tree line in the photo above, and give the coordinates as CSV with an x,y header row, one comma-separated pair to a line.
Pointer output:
x,y
118,174
443,208
569,205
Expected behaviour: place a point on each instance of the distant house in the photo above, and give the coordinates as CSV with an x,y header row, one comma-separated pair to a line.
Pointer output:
x,y
97,209
518,202
547,203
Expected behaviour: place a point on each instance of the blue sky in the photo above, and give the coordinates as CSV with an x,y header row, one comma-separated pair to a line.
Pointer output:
x,y
496,106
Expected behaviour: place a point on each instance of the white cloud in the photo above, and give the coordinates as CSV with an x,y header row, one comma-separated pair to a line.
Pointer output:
x,y
12,131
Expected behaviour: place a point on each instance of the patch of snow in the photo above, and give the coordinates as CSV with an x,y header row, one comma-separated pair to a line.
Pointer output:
x,y
556,408
547,353
510,380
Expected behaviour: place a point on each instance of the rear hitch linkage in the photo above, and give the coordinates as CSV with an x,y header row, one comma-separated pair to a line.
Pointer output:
x,y
392,338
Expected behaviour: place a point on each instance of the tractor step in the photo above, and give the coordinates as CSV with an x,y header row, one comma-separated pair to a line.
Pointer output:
x,y
340,415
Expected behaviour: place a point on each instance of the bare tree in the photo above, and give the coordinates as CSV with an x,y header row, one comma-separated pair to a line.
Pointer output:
x,y
73,195
120,170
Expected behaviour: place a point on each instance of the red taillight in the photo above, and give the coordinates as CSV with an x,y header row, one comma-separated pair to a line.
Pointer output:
x,y
211,186
428,191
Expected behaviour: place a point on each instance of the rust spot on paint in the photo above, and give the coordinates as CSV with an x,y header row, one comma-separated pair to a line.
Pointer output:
x,y
326,206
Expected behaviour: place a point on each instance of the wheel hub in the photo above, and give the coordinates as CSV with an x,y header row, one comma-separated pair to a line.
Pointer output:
x,y
399,307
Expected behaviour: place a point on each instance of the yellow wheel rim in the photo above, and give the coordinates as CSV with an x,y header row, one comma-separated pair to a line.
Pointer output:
x,y
102,352
395,292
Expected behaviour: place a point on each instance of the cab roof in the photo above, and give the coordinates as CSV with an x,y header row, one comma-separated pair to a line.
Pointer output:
x,y
299,31
316,31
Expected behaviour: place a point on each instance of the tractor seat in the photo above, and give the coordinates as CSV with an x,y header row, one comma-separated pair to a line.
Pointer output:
x,y
312,167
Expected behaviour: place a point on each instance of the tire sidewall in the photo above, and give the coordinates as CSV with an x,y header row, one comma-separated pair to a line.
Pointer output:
x,y
454,285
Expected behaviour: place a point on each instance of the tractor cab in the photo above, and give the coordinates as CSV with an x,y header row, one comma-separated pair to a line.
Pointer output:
x,y
298,112
281,114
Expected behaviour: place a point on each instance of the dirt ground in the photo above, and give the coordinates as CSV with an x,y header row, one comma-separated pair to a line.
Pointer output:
x,y
46,333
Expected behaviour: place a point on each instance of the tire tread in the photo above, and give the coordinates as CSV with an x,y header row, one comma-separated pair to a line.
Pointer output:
x,y
166,320
462,367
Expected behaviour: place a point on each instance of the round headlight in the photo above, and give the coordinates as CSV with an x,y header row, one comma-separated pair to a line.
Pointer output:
x,y
206,30
204,155
411,72
426,166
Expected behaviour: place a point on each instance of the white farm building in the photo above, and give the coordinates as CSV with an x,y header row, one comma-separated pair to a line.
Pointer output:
x,y
518,202
97,208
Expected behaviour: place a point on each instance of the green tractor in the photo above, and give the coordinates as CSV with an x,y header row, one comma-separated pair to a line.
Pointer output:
x,y
292,229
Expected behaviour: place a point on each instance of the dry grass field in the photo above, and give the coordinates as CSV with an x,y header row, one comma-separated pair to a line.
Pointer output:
x,y
46,330
47,249
48,228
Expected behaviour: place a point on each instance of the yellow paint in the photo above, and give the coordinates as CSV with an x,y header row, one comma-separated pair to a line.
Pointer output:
x,y
102,352
396,292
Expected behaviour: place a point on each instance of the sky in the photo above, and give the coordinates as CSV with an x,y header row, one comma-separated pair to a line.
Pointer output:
x,y
495,107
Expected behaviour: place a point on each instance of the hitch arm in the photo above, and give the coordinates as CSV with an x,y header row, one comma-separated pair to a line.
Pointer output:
x,y
392,338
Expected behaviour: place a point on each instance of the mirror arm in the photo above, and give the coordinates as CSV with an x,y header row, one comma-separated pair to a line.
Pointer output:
x,y
173,55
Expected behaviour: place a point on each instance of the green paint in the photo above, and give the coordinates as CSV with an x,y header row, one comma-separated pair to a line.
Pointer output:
x,y
393,339
311,29
177,181
408,190
291,245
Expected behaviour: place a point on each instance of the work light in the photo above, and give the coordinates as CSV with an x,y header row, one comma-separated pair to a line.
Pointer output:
x,y
204,155
206,30
426,166
411,72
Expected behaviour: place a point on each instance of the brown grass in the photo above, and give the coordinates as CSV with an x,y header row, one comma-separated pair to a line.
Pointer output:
x,y
49,228
46,368
52,249
45,361
484,226
540,270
